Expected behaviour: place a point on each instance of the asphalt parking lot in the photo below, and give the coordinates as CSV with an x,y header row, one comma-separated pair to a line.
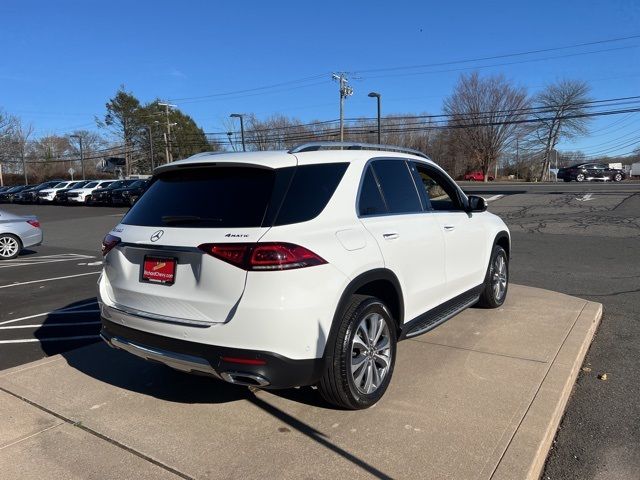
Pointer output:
x,y
48,293
580,239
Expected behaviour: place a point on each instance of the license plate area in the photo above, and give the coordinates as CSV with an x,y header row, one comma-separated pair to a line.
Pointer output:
x,y
161,270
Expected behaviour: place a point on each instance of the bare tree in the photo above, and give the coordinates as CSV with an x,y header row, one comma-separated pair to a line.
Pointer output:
x,y
484,113
560,110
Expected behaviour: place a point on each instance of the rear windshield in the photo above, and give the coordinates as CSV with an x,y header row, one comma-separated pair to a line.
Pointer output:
x,y
232,197
206,198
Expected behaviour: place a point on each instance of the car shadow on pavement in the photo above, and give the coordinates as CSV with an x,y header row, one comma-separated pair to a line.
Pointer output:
x,y
97,360
78,323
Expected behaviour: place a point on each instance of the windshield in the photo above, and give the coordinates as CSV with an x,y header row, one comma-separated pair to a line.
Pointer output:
x,y
60,185
91,185
215,197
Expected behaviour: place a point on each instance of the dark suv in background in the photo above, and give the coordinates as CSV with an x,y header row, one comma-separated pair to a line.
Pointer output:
x,y
129,195
591,171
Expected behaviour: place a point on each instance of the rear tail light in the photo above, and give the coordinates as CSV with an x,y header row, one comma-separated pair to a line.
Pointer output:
x,y
263,256
108,243
34,223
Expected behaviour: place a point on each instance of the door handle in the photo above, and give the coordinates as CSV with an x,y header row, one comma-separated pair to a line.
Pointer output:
x,y
449,228
390,236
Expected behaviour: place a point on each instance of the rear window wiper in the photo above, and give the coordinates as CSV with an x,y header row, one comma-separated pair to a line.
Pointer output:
x,y
175,219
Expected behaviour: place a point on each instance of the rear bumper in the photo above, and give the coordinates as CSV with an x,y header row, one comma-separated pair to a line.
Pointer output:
x,y
276,371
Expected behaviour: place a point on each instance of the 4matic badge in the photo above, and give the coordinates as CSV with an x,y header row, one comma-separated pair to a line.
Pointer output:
x,y
237,235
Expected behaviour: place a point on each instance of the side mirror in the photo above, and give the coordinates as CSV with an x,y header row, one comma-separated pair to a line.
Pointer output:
x,y
476,204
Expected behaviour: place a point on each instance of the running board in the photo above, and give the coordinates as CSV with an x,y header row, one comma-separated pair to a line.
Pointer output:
x,y
441,313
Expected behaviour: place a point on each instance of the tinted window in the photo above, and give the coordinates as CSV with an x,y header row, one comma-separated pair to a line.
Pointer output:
x,y
309,192
397,186
205,197
440,192
371,202
91,185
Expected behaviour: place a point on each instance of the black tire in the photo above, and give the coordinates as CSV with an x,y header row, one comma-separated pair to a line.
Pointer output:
x,y
10,239
490,297
337,385
617,177
88,200
580,177
132,201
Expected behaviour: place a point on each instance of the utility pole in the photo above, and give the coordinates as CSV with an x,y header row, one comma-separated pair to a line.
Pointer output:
x,y
167,136
81,154
345,91
148,129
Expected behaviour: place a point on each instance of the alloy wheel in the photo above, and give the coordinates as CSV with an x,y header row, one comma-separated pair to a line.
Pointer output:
x,y
499,280
370,353
8,247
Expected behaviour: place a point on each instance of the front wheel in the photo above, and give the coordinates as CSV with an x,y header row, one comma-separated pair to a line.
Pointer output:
x,y
617,177
10,246
580,177
496,282
362,356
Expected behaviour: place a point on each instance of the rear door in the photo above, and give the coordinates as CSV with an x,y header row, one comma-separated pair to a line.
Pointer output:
x,y
157,268
411,241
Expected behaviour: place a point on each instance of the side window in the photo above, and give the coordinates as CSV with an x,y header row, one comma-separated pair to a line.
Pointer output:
x,y
441,193
309,192
370,202
398,187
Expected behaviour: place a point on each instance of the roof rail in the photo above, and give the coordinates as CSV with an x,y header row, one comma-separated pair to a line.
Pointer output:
x,y
314,146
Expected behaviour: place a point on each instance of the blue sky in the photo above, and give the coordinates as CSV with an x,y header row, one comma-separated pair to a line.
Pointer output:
x,y
63,60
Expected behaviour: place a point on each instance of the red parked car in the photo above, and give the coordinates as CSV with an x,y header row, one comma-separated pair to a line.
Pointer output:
x,y
476,177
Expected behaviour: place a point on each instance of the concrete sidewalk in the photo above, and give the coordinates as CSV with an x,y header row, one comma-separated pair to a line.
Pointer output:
x,y
479,397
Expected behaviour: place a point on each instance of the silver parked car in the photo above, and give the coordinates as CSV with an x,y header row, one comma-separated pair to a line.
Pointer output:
x,y
17,232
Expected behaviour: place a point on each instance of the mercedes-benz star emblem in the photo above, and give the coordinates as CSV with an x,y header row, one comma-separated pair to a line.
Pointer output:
x,y
157,235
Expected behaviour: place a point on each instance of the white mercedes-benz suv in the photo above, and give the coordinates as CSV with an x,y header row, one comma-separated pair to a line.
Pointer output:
x,y
282,269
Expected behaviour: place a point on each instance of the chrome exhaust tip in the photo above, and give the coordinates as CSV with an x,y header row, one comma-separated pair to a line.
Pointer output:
x,y
246,379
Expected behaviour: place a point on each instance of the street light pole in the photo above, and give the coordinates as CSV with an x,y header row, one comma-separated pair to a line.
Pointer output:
x,y
239,115
377,97
81,154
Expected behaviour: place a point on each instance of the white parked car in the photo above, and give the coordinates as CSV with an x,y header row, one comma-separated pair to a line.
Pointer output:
x,y
282,269
83,195
49,194
16,233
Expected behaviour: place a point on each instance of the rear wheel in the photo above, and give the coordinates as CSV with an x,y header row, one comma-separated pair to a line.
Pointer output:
x,y
580,177
617,177
362,355
10,246
496,281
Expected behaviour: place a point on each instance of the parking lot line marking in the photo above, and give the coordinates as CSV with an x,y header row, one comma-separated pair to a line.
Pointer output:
x,y
43,262
93,302
47,325
52,339
493,198
49,279
56,312
78,256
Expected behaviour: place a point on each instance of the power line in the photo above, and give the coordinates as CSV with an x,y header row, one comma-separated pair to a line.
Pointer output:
x,y
495,57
